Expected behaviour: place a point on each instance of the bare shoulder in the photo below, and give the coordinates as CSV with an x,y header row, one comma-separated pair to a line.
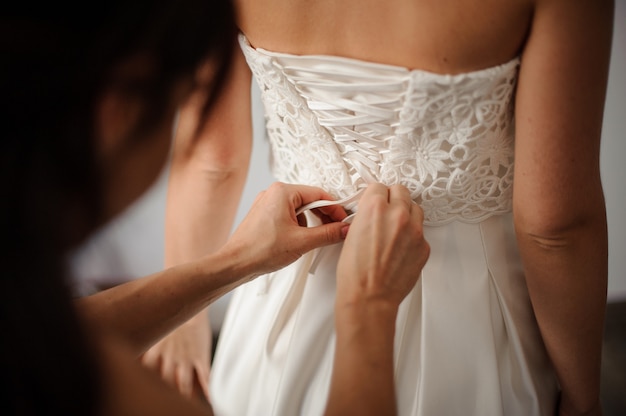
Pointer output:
x,y
568,45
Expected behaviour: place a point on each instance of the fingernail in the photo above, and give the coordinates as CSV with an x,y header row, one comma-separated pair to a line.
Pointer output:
x,y
344,231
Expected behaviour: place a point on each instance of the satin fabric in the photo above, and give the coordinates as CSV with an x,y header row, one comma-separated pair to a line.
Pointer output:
x,y
466,339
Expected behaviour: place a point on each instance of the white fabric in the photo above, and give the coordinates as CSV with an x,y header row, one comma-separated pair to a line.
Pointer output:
x,y
340,123
466,341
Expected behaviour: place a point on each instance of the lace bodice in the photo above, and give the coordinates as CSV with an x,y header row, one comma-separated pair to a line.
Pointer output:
x,y
341,123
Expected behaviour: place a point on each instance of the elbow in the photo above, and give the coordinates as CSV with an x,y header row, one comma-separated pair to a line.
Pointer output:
x,y
221,163
214,160
560,231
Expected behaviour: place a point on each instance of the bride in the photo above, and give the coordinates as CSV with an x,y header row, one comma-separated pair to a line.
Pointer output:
x,y
490,113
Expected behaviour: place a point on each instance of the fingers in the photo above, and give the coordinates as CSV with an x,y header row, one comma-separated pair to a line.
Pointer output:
x,y
168,371
285,239
183,377
332,213
323,235
396,195
202,378
179,376
151,359
399,194
302,194
376,190
378,198
385,249
184,380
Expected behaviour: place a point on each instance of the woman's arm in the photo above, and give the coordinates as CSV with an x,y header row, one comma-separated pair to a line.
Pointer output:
x,y
372,281
380,263
558,199
207,173
143,311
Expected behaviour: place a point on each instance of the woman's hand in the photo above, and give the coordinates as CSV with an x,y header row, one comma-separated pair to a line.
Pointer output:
x,y
385,249
182,358
380,263
270,236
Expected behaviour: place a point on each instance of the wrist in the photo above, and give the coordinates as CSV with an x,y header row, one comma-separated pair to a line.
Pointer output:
x,y
227,268
237,260
367,315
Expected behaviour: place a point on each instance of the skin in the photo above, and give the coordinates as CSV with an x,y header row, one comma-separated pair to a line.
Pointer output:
x,y
562,234
363,317
131,317
183,356
559,211
126,320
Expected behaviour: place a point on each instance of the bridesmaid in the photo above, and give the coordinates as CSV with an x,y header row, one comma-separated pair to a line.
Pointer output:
x,y
93,100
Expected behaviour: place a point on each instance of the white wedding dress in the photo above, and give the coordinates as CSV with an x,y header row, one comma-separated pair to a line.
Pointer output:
x,y
467,342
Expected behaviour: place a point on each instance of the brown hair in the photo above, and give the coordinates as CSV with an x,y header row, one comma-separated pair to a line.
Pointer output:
x,y
55,58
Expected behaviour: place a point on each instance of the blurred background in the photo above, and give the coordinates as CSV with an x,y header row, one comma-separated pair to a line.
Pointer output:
x,y
132,245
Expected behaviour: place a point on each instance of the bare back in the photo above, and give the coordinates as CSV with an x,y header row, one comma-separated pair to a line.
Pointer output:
x,y
440,36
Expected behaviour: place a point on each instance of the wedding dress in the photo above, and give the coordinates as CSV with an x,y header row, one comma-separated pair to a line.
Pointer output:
x,y
466,341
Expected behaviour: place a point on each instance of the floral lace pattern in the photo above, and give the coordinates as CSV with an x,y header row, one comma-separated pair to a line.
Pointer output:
x,y
341,123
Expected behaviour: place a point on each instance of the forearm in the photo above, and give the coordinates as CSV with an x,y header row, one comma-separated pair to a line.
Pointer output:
x,y
201,206
208,171
209,165
144,310
363,377
380,263
567,279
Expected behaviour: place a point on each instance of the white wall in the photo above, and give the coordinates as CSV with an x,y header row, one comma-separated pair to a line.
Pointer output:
x,y
132,245
613,157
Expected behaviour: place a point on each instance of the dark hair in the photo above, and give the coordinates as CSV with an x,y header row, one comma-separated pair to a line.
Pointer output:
x,y
55,59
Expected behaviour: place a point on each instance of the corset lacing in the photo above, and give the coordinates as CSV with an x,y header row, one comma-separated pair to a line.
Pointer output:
x,y
341,123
